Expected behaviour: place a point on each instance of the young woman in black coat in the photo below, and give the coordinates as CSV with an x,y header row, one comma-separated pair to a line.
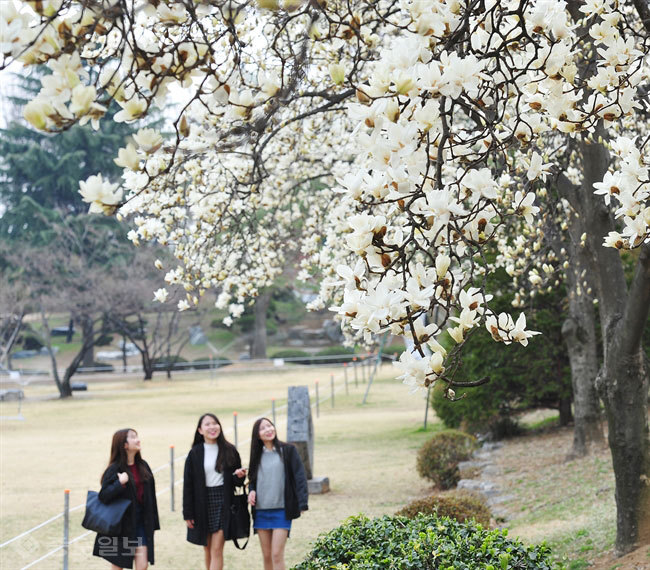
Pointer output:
x,y
212,470
277,491
128,475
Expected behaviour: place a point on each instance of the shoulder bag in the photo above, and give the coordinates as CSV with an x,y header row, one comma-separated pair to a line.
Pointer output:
x,y
104,518
240,519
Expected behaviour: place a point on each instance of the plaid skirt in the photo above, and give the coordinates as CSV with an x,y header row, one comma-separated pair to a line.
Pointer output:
x,y
215,508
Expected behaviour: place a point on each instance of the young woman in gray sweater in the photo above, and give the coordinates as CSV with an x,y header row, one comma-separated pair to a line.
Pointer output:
x,y
277,491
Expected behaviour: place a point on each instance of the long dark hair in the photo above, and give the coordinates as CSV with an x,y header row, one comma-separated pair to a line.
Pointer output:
x,y
226,449
256,448
119,456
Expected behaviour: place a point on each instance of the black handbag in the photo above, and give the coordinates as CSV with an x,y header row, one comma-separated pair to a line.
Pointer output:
x,y
240,519
104,518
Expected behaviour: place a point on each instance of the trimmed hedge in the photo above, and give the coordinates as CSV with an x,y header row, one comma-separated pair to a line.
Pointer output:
x,y
459,505
342,351
439,457
301,356
422,543
204,363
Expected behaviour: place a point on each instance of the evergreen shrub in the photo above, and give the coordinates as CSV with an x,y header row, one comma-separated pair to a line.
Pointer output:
x,y
176,363
346,354
459,505
204,363
300,356
439,457
422,543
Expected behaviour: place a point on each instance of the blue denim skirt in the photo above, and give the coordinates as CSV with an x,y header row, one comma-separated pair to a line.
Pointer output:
x,y
268,519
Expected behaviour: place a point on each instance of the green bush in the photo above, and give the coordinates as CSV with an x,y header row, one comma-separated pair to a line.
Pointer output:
x,y
301,356
204,363
98,367
459,505
439,457
392,352
176,362
32,343
218,324
346,354
422,543
104,340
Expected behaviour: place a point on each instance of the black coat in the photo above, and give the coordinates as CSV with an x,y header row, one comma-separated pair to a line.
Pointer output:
x,y
295,482
120,550
195,502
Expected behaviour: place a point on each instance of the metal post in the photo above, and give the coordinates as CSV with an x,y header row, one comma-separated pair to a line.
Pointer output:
x,y
317,401
171,475
275,423
345,379
211,368
354,364
363,370
234,417
332,387
426,407
66,526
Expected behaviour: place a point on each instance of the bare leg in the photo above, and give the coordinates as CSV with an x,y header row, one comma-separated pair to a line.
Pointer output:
x,y
113,567
206,551
215,550
265,542
141,558
278,542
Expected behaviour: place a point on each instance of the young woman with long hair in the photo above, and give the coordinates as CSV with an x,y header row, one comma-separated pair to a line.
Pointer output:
x,y
277,490
212,470
128,475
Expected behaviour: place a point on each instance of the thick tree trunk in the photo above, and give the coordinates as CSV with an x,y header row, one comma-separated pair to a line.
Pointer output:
x,y
564,408
579,331
258,341
622,382
147,366
88,339
65,391
624,388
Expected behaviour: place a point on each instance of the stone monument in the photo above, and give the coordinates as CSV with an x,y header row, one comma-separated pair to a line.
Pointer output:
x,y
300,432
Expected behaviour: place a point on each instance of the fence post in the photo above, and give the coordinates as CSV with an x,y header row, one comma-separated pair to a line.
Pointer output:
x,y
171,475
426,407
363,370
275,423
332,387
317,401
354,365
66,526
234,417
345,379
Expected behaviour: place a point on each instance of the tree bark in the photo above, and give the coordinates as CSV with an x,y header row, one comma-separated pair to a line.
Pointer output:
x,y
623,378
88,339
258,341
65,391
622,381
579,332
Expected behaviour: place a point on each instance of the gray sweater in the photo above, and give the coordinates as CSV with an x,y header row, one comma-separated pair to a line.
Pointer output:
x,y
270,481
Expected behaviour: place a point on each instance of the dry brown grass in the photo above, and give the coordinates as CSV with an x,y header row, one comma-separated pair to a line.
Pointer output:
x,y
366,451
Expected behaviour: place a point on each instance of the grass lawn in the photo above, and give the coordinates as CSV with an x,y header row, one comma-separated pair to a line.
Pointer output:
x,y
367,451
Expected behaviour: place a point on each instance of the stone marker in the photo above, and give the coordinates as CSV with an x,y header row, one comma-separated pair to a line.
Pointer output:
x,y
300,432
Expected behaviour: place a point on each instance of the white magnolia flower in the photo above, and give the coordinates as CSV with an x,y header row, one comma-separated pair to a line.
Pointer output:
x,y
128,158
149,140
160,295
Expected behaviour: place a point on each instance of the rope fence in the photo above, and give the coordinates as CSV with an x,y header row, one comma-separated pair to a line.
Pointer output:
x,y
364,362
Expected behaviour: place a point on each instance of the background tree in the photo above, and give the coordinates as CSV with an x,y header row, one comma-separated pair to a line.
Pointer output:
x,y
462,111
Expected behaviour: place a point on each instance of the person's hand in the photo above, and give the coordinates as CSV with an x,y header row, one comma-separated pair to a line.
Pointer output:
x,y
190,523
251,498
123,478
241,472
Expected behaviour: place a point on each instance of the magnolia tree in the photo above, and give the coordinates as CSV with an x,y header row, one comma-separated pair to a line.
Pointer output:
x,y
443,128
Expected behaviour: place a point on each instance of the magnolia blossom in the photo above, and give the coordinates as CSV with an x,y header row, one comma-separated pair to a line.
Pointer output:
x,y
161,295
102,195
